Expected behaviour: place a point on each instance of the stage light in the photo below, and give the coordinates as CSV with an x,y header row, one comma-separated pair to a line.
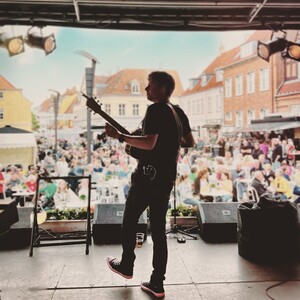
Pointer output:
x,y
14,45
265,50
292,51
46,43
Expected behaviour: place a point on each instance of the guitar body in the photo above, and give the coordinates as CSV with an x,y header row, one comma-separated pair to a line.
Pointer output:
x,y
133,151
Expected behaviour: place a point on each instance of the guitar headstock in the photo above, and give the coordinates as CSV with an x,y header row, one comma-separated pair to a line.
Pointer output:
x,y
92,103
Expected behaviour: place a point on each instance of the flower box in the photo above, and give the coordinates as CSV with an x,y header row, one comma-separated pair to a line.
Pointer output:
x,y
64,225
188,221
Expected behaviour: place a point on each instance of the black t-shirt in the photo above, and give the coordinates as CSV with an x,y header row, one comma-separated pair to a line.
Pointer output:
x,y
160,120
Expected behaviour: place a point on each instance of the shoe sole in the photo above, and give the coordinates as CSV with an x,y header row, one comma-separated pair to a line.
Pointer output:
x,y
115,271
158,295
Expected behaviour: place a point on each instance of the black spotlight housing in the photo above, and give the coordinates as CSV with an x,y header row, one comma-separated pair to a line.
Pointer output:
x,y
265,50
46,43
14,45
292,51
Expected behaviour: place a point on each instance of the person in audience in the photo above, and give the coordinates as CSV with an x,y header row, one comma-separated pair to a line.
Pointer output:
x,y
268,173
226,184
276,154
256,151
282,186
63,195
256,166
47,193
2,183
246,148
259,184
239,188
184,191
202,186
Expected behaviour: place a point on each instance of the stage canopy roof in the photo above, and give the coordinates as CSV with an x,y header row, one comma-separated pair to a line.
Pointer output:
x,y
180,15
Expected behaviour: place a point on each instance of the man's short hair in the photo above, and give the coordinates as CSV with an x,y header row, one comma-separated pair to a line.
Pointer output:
x,y
164,80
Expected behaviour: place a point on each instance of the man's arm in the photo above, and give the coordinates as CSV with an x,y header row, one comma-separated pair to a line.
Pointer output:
x,y
188,140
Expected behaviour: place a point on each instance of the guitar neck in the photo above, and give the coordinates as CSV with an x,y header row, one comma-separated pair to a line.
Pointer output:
x,y
97,109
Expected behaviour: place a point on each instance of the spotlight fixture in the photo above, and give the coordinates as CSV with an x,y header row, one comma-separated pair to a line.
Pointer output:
x,y
292,51
14,45
46,43
265,50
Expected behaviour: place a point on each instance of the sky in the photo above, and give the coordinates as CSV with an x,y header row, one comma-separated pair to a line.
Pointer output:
x,y
35,73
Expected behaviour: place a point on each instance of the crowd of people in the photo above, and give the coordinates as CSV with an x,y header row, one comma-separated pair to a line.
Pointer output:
x,y
267,165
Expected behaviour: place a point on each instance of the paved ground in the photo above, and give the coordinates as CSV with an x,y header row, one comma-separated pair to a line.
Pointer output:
x,y
196,270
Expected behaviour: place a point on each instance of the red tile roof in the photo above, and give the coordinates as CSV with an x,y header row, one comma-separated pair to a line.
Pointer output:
x,y
119,82
5,85
289,88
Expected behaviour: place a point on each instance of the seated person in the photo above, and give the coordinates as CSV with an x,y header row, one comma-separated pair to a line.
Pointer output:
x,y
259,184
282,186
201,185
48,191
226,184
240,188
268,173
63,195
184,190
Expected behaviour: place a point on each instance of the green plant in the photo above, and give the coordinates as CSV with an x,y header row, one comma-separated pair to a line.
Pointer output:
x,y
67,214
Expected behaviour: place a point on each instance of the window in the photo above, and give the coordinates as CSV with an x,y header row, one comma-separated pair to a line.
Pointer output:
x,y
228,87
135,109
204,80
291,69
121,109
107,109
1,114
238,85
228,116
209,104
250,82
194,105
248,49
193,82
264,79
219,75
239,119
218,103
135,87
263,112
202,110
1,95
198,106
295,108
250,116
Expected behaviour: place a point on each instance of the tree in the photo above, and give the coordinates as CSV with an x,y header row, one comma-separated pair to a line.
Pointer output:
x,y
35,122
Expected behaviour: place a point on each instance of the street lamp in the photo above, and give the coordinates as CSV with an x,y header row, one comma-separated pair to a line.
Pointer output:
x,y
56,103
89,82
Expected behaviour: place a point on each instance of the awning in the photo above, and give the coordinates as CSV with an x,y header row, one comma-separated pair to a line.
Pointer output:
x,y
211,125
271,126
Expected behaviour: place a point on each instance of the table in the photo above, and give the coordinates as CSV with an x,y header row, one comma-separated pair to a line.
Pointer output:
x,y
23,194
217,193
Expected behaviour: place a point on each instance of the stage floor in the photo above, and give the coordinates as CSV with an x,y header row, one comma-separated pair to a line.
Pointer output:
x,y
196,270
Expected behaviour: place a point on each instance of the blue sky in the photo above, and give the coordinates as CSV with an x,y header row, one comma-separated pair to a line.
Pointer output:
x,y
187,52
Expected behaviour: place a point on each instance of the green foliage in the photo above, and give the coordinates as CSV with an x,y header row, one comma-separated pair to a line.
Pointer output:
x,y
35,122
183,210
68,214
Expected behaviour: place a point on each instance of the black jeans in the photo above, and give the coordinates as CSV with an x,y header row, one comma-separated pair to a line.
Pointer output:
x,y
144,193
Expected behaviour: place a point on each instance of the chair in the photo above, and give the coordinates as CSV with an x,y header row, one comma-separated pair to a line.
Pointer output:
x,y
253,193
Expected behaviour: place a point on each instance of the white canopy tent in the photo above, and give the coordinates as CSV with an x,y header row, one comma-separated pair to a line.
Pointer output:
x,y
17,146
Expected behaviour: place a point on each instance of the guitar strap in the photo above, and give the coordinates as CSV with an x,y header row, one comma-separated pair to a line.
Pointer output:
x,y
178,122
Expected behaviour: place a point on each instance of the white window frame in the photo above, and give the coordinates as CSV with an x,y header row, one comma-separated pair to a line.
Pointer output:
x,y
239,119
264,79
228,116
228,87
209,105
250,115
135,109
121,109
295,108
239,85
107,108
251,82
202,109
263,112
219,75
218,103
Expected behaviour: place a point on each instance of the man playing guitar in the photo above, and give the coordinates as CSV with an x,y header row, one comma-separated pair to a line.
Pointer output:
x,y
165,129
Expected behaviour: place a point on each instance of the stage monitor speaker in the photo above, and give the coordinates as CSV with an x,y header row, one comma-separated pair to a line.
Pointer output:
x,y
107,223
19,234
217,221
8,214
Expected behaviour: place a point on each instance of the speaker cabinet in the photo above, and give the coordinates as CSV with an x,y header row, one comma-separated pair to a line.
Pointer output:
x,y
8,214
217,221
107,223
19,233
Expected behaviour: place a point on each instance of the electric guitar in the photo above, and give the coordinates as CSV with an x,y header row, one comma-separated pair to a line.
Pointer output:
x,y
95,107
